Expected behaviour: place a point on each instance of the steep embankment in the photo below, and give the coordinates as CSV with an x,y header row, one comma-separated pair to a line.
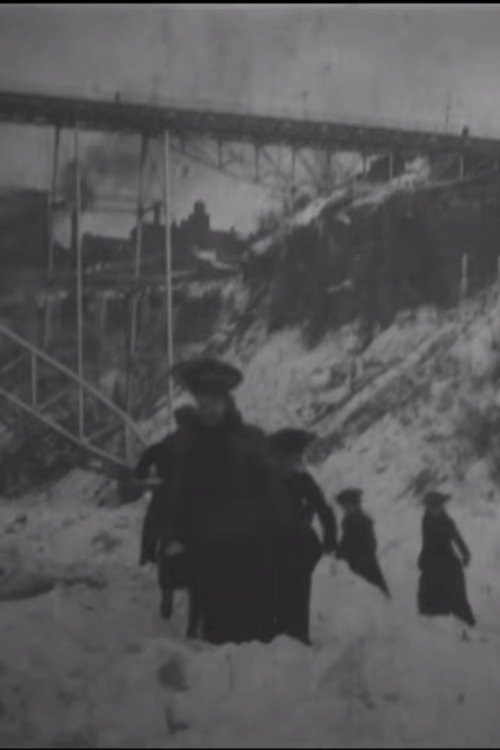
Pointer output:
x,y
369,252
90,664
86,662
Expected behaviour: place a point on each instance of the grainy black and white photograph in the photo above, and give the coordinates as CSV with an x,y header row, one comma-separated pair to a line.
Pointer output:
x,y
249,375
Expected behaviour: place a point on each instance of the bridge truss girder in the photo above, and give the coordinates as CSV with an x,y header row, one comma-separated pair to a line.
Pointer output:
x,y
273,167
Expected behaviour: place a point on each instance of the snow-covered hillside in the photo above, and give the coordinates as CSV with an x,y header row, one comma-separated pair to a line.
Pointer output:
x,y
88,662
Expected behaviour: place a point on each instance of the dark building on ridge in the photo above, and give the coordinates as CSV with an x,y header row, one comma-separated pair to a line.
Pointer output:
x,y
188,236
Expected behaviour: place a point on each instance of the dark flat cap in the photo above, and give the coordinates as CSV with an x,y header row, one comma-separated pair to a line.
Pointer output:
x,y
350,496
291,441
435,499
207,375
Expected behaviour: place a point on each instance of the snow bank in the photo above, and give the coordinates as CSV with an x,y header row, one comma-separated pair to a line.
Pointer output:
x,y
91,664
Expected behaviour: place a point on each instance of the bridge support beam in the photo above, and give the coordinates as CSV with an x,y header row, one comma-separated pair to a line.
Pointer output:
x,y
79,287
51,205
167,203
461,166
47,322
327,174
134,302
364,158
464,277
140,206
257,162
138,240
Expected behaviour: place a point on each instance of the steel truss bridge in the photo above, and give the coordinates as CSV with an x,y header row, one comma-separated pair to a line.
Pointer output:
x,y
241,142
278,150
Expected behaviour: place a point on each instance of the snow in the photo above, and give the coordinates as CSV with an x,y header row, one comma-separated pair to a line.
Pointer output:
x,y
262,246
478,355
210,258
90,664
310,213
360,194
316,206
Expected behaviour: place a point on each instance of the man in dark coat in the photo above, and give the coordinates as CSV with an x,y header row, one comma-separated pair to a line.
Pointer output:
x,y
157,527
358,546
230,503
442,589
306,502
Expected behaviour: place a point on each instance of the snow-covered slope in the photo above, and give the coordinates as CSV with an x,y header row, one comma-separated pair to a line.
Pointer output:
x,y
89,663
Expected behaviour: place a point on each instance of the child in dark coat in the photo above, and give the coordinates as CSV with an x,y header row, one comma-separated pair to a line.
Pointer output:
x,y
358,546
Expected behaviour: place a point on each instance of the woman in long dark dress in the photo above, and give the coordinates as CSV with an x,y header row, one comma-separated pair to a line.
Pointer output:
x,y
442,589
302,547
229,508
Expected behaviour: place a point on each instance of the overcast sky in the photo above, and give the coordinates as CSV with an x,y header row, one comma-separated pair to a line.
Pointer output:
x,y
397,61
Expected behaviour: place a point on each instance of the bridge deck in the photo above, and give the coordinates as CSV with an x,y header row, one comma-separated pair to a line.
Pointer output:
x,y
132,117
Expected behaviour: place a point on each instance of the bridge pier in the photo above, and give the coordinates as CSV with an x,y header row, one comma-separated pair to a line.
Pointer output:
x,y
138,247
102,316
328,168
47,323
257,162
138,239
364,167
51,318
79,285
461,166
167,198
133,309
464,276
140,205
51,206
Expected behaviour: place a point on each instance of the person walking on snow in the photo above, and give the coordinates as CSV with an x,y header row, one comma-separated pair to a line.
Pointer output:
x,y
358,546
305,550
444,554
230,508
156,537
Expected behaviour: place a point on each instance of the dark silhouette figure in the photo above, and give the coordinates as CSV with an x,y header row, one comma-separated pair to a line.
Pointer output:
x,y
358,546
230,507
173,568
301,545
442,589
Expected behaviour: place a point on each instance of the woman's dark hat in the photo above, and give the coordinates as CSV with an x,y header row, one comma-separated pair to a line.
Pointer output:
x,y
290,441
350,496
435,499
207,376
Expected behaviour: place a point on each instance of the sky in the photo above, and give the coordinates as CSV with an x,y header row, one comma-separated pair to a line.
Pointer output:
x,y
397,62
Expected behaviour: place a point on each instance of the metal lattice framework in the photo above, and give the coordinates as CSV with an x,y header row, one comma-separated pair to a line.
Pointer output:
x,y
36,404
